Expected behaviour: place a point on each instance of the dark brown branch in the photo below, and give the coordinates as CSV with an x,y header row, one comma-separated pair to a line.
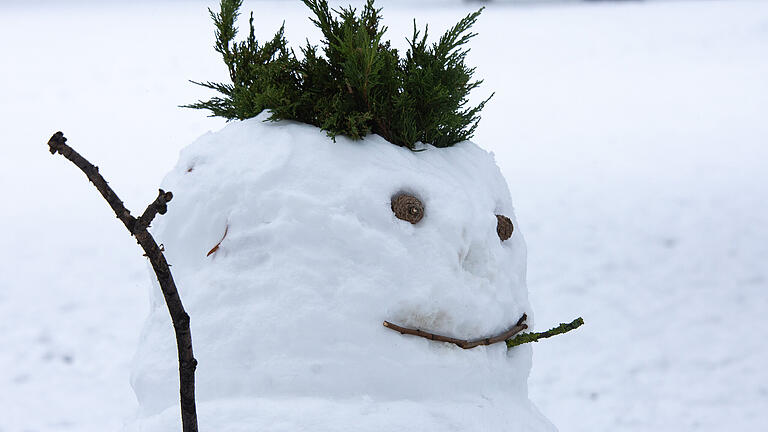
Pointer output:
x,y
466,344
138,228
57,143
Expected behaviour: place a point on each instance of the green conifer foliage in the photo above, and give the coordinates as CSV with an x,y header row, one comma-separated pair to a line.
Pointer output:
x,y
355,83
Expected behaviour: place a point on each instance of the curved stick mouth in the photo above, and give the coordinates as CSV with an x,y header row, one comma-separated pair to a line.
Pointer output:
x,y
463,343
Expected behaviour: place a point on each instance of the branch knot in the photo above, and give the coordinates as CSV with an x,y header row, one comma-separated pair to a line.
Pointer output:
x,y
57,142
158,206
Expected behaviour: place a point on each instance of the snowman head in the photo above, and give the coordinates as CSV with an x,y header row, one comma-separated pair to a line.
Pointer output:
x,y
312,258
290,249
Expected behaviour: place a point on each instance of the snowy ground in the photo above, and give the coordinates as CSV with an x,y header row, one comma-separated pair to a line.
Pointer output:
x,y
633,137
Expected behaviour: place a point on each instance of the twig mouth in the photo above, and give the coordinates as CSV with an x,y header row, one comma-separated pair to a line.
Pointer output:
x,y
463,343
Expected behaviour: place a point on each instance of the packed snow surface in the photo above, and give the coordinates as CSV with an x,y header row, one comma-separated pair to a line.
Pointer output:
x,y
632,136
288,309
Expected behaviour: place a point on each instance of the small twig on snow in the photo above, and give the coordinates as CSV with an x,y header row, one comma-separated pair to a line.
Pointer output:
x,y
215,248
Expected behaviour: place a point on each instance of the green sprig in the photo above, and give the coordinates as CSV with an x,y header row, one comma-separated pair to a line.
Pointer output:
x,y
524,338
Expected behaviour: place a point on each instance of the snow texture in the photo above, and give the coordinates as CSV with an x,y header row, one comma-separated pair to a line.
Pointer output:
x,y
289,308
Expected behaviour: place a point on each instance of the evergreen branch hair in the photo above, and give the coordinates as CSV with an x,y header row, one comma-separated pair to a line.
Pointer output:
x,y
355,84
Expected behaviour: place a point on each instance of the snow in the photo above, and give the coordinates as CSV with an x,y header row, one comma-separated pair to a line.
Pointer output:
x,y
288,310
632,137
302,414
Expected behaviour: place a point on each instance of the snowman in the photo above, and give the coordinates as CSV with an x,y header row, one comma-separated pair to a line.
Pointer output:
x,y
291,250
342,283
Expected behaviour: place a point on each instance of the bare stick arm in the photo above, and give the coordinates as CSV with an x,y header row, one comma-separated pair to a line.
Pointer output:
x,y
57,144
138,228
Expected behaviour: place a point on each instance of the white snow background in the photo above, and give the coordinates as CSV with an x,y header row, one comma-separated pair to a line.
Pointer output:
x,y
633,136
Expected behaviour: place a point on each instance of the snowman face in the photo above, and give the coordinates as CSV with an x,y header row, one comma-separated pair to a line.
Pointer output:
x,y
410,209
317,255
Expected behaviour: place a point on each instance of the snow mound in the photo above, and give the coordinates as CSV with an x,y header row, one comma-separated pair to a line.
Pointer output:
x,y
287,312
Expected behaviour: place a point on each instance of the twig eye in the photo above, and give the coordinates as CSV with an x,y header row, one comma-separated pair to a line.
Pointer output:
x,y
504,227
408,208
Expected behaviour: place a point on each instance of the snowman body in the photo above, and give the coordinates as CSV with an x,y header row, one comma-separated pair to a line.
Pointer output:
x,y
288,258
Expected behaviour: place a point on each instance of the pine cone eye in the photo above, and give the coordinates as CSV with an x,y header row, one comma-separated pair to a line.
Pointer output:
x,y
408,208
504,227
